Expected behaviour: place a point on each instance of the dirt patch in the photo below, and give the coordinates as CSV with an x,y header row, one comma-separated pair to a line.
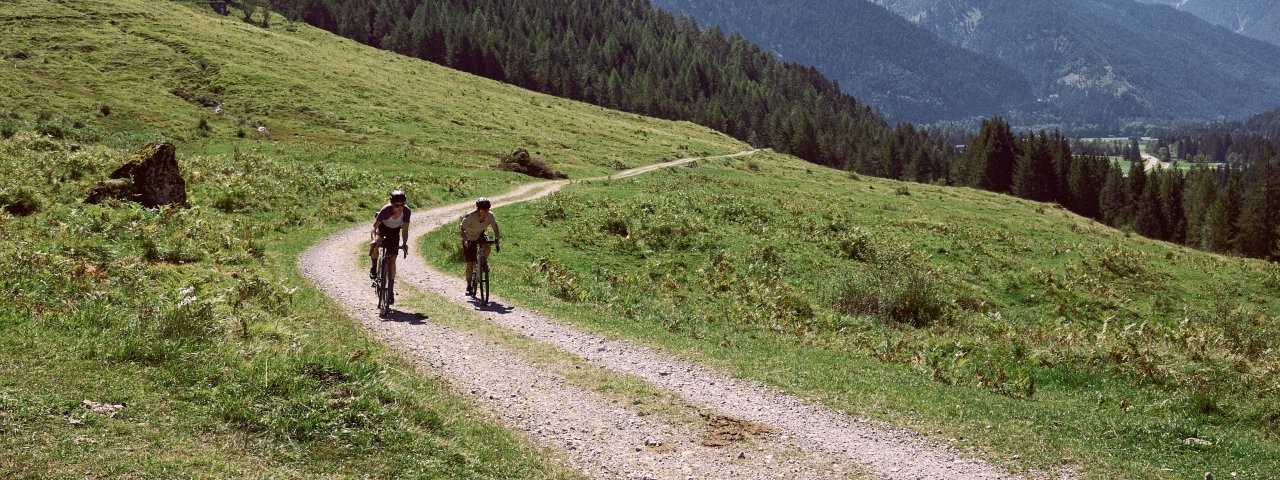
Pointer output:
x,y
722,431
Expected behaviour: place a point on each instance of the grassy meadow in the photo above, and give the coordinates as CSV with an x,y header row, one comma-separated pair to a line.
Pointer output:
x,y
1032,336
225,361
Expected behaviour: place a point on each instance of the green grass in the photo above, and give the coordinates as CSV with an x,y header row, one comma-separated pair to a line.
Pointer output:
x,y
228,363
1014,327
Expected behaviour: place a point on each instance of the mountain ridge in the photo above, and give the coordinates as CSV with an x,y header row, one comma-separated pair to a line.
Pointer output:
x,y
1152,63
905,71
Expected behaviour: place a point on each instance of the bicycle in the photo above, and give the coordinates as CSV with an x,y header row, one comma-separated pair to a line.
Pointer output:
x,y
383,282
480,274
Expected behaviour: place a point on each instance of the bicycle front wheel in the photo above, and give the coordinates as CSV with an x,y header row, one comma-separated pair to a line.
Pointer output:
x,y
384,288
483,287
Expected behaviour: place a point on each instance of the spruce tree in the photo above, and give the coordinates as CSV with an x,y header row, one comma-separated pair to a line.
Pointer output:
x,y
1113,202
1150,218
1259,212
1201,191
1216,235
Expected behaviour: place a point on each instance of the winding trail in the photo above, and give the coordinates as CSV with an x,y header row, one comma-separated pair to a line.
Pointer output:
x,y
595,433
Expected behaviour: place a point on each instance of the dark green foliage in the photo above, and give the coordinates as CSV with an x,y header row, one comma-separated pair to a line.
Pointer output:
x,y
1034,175
989,159
1260,212
104,110
19,201
899,289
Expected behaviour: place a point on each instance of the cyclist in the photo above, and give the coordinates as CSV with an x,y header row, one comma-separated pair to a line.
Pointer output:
x,y
472,229
391,230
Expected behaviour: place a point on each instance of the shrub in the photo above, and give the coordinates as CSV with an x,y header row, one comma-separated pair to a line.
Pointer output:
x,y
558,280
52,129
105,110
856,244
903,290
1123,262
20,201
902,190
20,55
1271,276
202,126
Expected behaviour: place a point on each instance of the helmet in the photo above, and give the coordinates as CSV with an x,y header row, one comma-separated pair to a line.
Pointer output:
x,y
398,196
483,204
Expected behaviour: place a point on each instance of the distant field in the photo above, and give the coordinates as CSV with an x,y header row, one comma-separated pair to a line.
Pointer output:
x,y
1017,329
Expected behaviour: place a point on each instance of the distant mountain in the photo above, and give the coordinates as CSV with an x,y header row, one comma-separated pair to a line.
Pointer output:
x,y
905,71
1110,61
1259,19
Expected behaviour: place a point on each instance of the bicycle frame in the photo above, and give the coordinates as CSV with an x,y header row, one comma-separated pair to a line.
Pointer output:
x,y
480,272
385,284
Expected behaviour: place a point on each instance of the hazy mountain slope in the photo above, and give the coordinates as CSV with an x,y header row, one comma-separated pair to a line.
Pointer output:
x,y
906,72
1259,19
1101,60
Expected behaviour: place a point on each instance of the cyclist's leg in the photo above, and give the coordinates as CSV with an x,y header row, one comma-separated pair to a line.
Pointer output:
x,y
486,247
469,255
373,259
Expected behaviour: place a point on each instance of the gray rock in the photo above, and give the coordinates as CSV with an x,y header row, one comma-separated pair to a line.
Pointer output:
x,y
150,177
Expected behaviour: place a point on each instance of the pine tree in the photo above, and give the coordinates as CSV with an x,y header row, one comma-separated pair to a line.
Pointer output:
x,y
1259,212
1200,192
1216,235
1151,216
1171,192
1113,203
1033,172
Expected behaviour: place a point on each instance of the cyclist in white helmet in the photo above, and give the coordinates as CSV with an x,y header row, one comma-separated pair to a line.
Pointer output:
x,y
472,229
390,228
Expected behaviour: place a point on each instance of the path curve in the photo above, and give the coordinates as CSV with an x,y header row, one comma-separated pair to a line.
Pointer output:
x,y
597,436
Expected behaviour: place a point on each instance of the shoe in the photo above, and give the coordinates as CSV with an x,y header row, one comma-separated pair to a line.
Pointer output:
x,y
470,290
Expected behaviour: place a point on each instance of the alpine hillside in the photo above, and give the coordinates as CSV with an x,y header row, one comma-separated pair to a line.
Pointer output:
x,y
1107,62
904,71
1259,19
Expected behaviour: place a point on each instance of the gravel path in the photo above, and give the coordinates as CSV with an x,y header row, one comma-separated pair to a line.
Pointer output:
x,y
597,435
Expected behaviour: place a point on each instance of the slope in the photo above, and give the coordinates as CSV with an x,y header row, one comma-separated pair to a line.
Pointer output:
x,y
1015,329
1259,19
1145,61
907,73
201,352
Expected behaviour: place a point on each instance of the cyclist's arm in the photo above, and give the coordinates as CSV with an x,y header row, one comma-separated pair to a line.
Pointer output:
x,y
496,235
404,234
373,235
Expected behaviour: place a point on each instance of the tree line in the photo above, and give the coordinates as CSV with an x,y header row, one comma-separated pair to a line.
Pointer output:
x,y
1233,208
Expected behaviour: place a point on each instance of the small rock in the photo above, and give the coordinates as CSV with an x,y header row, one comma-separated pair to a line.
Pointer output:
x,y
650,442
1196,441
742,455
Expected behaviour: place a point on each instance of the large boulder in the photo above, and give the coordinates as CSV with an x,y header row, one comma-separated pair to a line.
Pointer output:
x,y
521,161
150,177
